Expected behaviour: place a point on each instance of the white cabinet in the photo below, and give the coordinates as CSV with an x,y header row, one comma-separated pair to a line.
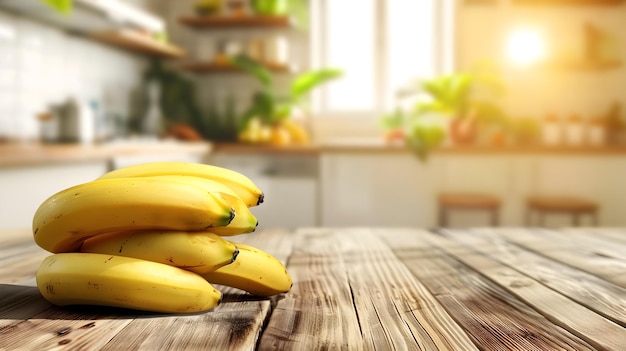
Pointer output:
x,y
385,189
600,178
500,175
23,189
289,183
390,189
337,189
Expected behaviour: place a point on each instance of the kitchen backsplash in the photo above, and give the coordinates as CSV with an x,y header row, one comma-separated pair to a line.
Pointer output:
x,y
41,65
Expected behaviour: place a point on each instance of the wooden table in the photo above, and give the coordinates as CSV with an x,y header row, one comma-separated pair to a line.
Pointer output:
x,y
365,289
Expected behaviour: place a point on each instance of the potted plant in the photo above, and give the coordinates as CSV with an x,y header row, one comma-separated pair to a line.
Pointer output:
x,y
270,110
297,9
452,105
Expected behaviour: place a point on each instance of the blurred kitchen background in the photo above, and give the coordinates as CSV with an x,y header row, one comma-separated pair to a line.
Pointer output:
x,y
345,112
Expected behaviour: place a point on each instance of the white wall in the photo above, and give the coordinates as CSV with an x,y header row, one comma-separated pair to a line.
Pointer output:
x,y
40,65
198,42
482,32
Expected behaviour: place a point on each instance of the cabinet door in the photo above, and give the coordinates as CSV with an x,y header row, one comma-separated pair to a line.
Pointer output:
x,y
506,177
599,178
23,189
290,185
377,190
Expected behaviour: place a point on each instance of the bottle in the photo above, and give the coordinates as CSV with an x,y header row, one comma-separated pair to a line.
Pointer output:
x,y
574,131
151,125
597,131
551,131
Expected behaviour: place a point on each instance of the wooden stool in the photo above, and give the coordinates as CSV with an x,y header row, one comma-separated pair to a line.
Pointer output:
x,y
575,206
468,201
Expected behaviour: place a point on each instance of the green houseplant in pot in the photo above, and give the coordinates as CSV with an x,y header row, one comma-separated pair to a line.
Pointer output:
x,y
270,111
298,9
450,106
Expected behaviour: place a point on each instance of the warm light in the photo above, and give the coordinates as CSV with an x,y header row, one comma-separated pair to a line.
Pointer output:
x,y
526,46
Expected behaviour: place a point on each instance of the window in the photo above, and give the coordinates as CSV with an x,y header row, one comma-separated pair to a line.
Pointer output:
x,y
382,45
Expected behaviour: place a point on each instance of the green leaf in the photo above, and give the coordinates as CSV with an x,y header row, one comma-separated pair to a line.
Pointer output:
x,y
281,111
424,136
264,103
393,120
61,6
305,82
254,68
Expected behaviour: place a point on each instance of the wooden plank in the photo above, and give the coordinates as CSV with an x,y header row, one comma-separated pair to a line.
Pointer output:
x,y
318,312
578,256
216,67
18,303
578,239
580,321
140,43
20,261
80,328
493,318
358,296
592,239
235,21
610,233
233,325
604,298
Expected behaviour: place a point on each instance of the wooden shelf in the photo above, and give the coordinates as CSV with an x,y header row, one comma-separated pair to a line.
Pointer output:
x,y
581,65
570,2
214,67
235,22
140,43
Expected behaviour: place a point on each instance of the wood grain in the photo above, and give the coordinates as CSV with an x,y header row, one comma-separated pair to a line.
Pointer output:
x,y
363,289
234,325
493,318
362,298
582,257
606,299
580,321
80,328
20,261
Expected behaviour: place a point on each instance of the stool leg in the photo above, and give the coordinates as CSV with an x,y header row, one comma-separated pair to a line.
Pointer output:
x,y
528,217
495,221
576,219
443,221
594,218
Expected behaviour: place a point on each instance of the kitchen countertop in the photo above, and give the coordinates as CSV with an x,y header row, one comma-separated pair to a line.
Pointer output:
x,y
23,154
364,288
372,145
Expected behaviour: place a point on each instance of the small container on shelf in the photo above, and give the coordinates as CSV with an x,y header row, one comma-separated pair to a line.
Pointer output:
x,y
276,51
552,132
574,131
208,7
255,49
237,8
597,131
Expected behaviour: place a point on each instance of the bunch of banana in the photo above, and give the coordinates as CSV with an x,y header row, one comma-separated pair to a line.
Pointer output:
x,y
150,237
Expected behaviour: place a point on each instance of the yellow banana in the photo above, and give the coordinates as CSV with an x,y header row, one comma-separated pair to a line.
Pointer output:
x,y
254,271
243,222
239,183
70,216
199,252
116,281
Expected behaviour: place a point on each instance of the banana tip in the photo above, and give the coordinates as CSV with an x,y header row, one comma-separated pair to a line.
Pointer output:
x,y
261,198
232,215
235,254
